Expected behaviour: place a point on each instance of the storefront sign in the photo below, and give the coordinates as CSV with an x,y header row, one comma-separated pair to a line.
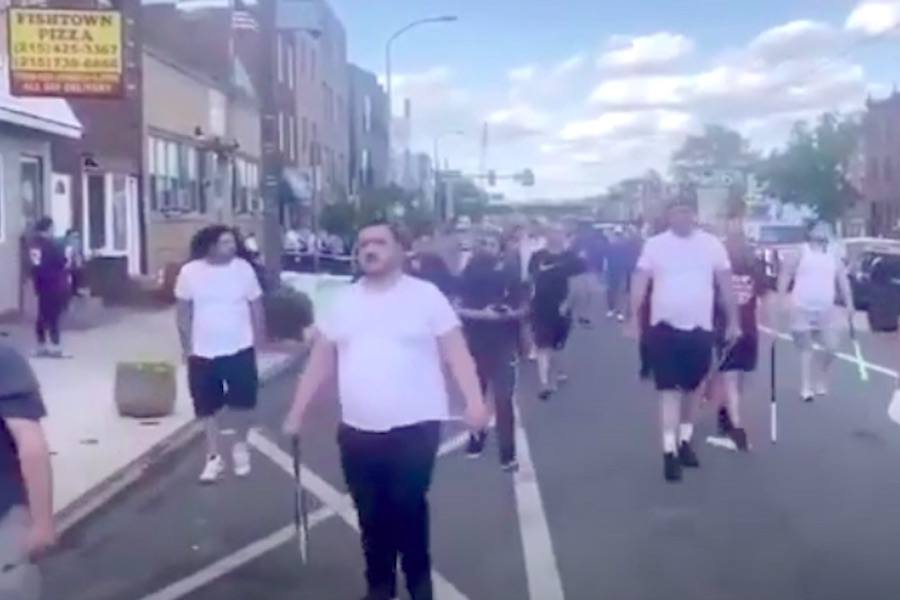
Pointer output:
x,y
69,53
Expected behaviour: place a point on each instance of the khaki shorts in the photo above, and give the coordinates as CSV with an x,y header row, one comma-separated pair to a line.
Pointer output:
x,y
19,577
816,326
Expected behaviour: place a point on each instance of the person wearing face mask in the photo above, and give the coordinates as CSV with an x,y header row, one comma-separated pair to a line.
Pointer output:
x,y
817,274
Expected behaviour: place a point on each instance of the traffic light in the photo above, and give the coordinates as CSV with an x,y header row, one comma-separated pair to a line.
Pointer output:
x,y
492,178
527,178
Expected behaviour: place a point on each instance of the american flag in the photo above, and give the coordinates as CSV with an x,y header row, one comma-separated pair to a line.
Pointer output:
x,y
243,19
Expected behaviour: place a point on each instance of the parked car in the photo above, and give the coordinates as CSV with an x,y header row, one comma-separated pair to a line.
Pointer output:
x,y
775,243
868,257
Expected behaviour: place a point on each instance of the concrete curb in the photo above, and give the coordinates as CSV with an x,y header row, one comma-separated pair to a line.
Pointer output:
x,y
98,496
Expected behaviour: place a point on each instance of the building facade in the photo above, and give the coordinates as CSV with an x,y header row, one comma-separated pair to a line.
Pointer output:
x,y
881,151
28,186
369,135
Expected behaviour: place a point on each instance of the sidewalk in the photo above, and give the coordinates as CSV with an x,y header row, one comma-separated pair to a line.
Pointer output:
x,y
89,441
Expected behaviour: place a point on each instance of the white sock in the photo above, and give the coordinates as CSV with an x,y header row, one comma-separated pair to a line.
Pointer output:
x,y
686,430
669,444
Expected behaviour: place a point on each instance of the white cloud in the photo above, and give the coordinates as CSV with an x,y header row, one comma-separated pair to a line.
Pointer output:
x,y
522,74
795,40
874,18
628,124
516,122
657,50
570,65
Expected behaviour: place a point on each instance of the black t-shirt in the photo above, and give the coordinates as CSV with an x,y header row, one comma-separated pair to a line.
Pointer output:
x,y
49,264
748,279
486,282
550,275
19,399
431,267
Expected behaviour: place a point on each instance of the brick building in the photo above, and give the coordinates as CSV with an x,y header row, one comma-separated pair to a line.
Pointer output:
x,y
369,136
881,152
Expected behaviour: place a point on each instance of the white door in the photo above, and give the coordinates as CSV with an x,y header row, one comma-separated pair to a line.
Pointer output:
x,y
110,217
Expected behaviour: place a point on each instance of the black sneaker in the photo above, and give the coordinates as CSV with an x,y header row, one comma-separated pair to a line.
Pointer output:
x,y
687,456
739,437
545,394
476,444
510,466
724,422
671,467
809,398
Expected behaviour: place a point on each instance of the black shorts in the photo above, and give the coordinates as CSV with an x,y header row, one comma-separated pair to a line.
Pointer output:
x,y
231,381
551,329
679,360
743,356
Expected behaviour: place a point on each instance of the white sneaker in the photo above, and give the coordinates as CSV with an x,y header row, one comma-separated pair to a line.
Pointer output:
x,y
213,469
240,457
610,314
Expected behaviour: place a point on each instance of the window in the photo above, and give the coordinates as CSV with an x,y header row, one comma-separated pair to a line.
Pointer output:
x,y
174,182
96,200
302,57
888,170
246,197
873,169
31,188
292,137
304,135
367,114
365,167
312,64
281,132
119,213
279,57
290,63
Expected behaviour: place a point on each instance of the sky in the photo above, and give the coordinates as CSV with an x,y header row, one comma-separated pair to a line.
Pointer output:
x,y
586,93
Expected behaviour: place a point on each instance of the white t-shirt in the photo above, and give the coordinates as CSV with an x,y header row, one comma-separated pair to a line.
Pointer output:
x,y
389,364
221,297
816,279
683,272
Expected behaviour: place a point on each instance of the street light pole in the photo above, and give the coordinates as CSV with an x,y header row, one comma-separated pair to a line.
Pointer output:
x,y
388,66
437,161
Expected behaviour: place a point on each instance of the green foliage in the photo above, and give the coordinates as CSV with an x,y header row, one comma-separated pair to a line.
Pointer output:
x,y
812,168
717,147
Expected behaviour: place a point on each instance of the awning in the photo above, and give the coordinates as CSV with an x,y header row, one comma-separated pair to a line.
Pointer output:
x,y
50,115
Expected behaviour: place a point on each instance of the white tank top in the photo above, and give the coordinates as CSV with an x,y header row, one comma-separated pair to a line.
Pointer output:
x,y
816,279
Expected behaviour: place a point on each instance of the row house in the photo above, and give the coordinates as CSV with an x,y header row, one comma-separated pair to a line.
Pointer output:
x,y
28,127
369,132
881,156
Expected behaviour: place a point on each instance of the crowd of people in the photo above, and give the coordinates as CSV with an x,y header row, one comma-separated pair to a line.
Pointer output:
x,y
414,319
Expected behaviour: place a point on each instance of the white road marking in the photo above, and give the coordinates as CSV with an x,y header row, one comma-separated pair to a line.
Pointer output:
x,y
336,504
541,569
226,565
841,355
340,503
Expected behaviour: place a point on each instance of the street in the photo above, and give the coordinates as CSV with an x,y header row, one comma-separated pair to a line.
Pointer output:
x,y
588,516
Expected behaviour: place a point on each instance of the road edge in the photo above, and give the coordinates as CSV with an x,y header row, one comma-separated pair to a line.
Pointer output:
x,y
119,481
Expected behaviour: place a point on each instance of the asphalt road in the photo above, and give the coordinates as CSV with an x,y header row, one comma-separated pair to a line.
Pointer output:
x,y
816,516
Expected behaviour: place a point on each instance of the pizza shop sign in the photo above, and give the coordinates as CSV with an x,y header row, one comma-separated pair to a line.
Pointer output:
x,y
62,52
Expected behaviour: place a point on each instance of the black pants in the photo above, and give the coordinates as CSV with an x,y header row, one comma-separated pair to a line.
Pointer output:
x,y
497,372
388,475
50,309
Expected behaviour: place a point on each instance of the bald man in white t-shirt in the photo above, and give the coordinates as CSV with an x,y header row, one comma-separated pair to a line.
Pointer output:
x,y
685,265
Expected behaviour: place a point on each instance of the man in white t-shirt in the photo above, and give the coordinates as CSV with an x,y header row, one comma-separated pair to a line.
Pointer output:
x,y
387,338
685,264
220,322
817,274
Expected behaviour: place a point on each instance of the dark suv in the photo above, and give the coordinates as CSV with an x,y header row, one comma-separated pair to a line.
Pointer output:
x,y
875,279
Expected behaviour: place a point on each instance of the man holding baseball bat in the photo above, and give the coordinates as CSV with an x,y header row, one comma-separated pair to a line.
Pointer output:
x,y
386,338
685,265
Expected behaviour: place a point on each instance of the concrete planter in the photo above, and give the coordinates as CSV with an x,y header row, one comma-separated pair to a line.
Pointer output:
x,y
145,390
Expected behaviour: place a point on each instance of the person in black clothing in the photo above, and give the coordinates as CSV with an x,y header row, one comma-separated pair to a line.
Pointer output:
x,y
431,267
738,359
491,304
27,529
51,285
551,318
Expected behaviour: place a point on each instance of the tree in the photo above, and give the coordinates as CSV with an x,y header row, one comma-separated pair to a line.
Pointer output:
x,y
812,169
717,148
339,218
